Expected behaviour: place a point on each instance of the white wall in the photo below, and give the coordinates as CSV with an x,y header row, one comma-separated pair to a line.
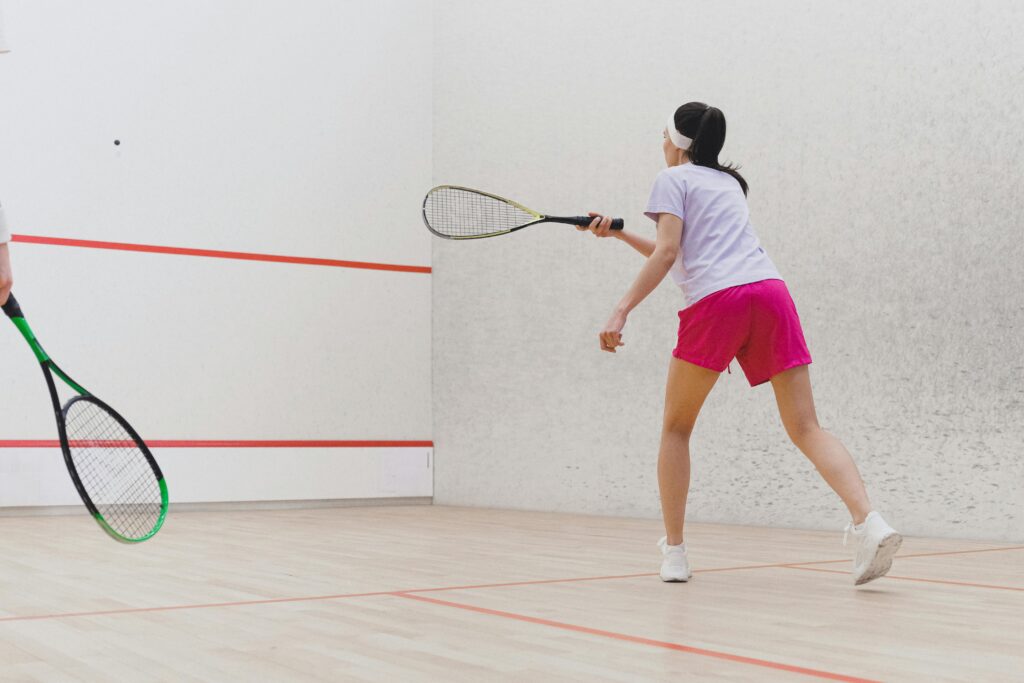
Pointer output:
x,y
883,146
273,127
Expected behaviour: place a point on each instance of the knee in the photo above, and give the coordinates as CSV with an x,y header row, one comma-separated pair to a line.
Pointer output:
x,y
801,431
678,428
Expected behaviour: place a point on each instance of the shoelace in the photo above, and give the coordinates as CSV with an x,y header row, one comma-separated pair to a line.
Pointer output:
x,y
851,528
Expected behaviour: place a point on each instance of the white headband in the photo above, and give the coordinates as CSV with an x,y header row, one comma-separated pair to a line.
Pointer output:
x,y
677,138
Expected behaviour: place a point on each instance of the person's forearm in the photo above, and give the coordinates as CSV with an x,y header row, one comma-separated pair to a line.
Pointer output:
x,y
641,244
656,267
6,278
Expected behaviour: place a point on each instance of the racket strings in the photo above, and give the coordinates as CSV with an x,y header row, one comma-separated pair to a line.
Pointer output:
x,y
459,213
114,471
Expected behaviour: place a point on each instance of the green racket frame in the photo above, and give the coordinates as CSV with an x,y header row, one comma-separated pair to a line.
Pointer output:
x,y
50,368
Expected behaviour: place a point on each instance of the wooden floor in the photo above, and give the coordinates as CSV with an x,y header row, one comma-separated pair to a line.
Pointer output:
x,y
424,593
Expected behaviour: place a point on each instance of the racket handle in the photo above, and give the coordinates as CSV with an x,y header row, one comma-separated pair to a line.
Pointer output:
x,y
617,223
11,308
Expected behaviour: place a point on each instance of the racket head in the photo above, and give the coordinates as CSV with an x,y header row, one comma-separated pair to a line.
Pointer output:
x,y
113,470
462,213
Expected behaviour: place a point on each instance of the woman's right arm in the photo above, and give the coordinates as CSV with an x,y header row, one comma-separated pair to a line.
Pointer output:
x,y
601,226
641,244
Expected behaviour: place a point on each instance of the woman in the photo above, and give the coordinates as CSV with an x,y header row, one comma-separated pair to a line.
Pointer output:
x,y
736,306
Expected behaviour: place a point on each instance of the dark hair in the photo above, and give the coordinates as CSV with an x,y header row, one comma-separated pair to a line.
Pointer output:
x,y
706,127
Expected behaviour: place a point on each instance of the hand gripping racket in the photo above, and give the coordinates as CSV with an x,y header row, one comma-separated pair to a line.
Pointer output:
x,y
461,213
109,463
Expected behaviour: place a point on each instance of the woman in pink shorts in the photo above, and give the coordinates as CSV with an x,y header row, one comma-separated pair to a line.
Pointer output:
x,y
737,306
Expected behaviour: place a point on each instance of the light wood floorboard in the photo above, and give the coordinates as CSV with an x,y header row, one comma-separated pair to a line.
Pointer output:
x,y
416,594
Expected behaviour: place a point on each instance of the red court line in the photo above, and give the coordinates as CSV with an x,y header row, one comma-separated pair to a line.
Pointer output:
x,y
171,608
748,566
213,443
533,582
910,555
778,666
216,253
964,552
310,598
313,598
914,578
242,603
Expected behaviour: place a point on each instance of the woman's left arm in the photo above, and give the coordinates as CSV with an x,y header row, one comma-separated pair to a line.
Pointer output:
x,y
666,249
6,278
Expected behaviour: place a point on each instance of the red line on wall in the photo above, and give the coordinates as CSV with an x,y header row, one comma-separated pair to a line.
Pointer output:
x,y
215,253
214,443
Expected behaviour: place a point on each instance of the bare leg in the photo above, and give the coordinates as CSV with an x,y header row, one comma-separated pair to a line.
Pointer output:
x,y
688,386
826,452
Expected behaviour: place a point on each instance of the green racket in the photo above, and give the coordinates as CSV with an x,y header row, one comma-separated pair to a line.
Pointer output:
x,y
110,465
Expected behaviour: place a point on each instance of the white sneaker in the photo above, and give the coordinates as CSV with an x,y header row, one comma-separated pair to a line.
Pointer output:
x,y
877,542
674,565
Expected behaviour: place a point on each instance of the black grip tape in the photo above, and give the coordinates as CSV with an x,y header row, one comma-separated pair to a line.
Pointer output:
x,y
12,309
585,221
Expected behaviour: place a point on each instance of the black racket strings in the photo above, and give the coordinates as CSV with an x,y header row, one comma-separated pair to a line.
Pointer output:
x,y
114,471
461,213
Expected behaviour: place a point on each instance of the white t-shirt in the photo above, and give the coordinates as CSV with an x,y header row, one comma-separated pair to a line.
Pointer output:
x,y
718,249
5,234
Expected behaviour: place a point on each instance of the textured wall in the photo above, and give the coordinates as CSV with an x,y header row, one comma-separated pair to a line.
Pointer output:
x,y
883,146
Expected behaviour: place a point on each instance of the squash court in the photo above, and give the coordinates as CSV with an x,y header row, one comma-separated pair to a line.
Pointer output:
x,y
413,325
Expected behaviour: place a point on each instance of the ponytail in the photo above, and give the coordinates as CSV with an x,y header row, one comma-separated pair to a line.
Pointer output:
x,y
706,126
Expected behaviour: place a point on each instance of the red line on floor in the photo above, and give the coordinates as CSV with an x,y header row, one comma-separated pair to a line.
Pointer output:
x,y
313,598
242,603
914,578
742,567
212,443
216,253
778,666
534,582
964,552
171,608
910,555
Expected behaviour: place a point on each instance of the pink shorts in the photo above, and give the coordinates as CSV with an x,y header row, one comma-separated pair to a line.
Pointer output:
x,y
755,323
